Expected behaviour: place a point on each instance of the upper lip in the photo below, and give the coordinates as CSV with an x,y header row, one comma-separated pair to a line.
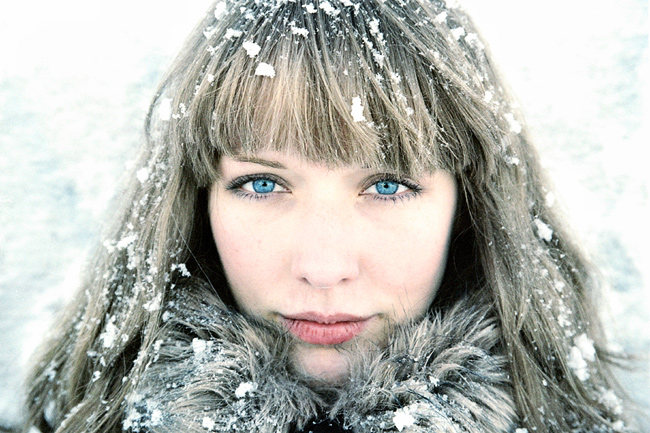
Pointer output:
x,y
316,317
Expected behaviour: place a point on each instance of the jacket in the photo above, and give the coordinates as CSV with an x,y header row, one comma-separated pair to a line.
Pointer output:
x,y
213,369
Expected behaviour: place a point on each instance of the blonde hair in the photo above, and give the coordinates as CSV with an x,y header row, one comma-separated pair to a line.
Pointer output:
x,y
402,84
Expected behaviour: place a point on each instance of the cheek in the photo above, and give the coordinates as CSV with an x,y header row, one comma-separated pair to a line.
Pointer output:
x,y
245,247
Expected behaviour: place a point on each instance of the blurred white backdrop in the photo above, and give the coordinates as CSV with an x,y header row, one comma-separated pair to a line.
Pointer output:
x,y
76,78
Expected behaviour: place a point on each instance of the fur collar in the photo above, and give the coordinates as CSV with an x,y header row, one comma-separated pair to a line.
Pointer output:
x,y
215,370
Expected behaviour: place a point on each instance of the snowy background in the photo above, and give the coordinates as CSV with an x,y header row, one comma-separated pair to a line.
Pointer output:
x,y
76,78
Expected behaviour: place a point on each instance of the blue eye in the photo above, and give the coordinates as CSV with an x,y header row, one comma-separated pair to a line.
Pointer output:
x,y
263,186
387,187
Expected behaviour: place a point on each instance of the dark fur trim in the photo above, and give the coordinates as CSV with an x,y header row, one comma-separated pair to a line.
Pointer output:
x,y
215,370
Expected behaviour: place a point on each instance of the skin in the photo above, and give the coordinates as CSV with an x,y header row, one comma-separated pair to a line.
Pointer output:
x,y
330,241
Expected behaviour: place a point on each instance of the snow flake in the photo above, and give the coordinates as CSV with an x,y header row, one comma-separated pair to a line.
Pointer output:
x,y
521,430
252,49
232,33
512,160
143,174
611,400
586,346
458,32
96,376
300,31
154,304
208,423
209,32
220,9
109,335
515,126
543,230
165,109
245,388
310,8
488,96
578,364
265,70
441,18
182,268
357,110
403,419
549,199
328,8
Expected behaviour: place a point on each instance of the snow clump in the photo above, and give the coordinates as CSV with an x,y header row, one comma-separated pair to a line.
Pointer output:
x,y
232,33
357,110
403,419
245,388
582,351
265,70
543,230
252,49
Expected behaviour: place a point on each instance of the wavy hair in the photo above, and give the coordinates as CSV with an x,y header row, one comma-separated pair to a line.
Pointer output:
x,y
284,75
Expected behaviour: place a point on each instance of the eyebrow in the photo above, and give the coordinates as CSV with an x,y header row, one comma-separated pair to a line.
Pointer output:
x,y
260,161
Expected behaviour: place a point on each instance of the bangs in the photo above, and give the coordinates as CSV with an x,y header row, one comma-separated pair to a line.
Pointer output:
x,y
339,89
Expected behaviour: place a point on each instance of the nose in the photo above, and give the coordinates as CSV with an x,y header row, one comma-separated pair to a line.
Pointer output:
x,y
325,254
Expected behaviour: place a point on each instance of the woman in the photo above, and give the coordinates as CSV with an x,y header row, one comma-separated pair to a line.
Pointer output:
x,y
338,224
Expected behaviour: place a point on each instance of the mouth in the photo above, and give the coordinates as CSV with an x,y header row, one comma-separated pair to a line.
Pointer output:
x,y
325,330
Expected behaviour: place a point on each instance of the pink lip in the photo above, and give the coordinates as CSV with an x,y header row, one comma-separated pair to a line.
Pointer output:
x,y
324,330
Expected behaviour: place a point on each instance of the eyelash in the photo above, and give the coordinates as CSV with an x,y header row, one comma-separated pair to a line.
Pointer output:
x,y
235,187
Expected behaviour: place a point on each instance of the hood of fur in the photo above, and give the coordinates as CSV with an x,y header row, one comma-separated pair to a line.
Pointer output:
x,y
213,369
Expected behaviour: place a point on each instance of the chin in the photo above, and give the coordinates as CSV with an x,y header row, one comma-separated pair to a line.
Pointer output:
x,y
329,364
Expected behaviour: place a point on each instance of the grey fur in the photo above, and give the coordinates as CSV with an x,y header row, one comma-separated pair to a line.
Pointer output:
x,y
442,373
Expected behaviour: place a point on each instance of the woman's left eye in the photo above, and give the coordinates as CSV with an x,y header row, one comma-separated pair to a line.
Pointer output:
x,y
386,187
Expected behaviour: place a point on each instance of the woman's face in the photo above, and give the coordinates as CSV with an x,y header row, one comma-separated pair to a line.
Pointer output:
x,y
332,254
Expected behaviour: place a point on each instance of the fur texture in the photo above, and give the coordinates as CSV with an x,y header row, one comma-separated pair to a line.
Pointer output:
x,y
215,370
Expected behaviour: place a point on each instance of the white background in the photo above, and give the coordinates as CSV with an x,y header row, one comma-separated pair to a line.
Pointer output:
x,y
76,78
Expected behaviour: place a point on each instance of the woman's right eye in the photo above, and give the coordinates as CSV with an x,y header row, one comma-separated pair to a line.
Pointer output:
x,y
262,186
256,186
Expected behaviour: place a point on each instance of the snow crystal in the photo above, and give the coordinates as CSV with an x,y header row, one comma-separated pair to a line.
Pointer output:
x,y
357,110
154,304
458,32
208,423
109,335
329,9
403,419
310,8
618,425
165,109
245,388
209,32
578,364
96,376
488,96
210,78
549,199
199,346
299,31
220,9
182,268
156,417
521,430
143,174
252,49
441,18
515,126
512,160
611,400
543,230
586,346
232,33
265,70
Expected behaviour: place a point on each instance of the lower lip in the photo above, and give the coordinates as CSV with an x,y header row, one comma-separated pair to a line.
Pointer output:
x,y
324,334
